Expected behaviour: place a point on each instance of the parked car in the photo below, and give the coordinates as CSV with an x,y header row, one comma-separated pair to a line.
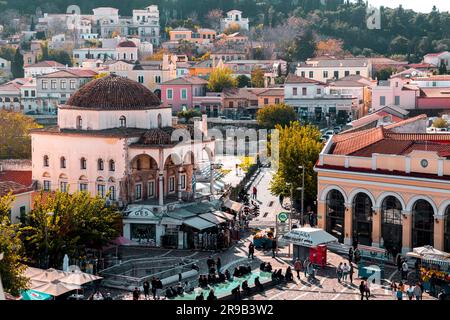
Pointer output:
x,y
245,118
329,132
337,129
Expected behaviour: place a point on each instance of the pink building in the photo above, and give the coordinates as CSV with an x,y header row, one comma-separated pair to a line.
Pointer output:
x,y
394,92
179,93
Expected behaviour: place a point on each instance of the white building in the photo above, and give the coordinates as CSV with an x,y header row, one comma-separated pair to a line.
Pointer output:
x,y
437,59
5,69
234,17
324,70
43,67
113,139
310,100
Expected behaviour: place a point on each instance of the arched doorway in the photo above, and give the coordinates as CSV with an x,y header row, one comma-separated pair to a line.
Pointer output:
x,y
362,219
447,230
335,214
391,223
423,224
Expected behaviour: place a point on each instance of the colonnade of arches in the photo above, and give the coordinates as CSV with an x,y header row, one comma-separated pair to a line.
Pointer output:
x,y
385,221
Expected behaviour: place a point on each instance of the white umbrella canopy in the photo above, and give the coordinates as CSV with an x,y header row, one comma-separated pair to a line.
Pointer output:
x,y
430,252
79,278
56,288
44,275
308,237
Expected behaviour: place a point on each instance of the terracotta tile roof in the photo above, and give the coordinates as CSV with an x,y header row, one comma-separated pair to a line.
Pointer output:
x,y
292,78
46,64
70,73
385,146
435,92
433,78
407,121
435,54
21,177
421,65
15,182
375,117
191,80
347,144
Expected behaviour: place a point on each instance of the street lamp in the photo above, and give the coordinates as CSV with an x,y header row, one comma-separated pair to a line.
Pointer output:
x,y
48,214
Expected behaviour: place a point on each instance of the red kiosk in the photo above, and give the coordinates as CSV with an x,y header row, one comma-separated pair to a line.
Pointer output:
x,y
309,243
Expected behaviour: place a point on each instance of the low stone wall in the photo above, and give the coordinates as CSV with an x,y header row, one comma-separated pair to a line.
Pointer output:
x,y
15,165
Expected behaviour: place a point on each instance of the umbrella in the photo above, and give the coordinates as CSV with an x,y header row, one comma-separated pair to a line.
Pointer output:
x,y
49,275
56,288
79,278
35,295
66,263
308,237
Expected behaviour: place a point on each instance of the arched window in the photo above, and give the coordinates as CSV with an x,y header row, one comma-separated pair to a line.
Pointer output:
x,y
123,122
100,165
362,219
138,164
391,224
62,162
335,214
159,121
112,193
423,224
46,162
112,165
83,164
79,122
447,230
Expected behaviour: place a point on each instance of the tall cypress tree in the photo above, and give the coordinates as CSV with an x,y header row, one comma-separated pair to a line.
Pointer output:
x,y
17,65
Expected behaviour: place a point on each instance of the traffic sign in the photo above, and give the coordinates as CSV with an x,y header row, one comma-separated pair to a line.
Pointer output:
x,y
283,217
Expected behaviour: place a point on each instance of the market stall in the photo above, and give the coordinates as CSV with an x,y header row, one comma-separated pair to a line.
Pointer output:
x,y
309,243
434,268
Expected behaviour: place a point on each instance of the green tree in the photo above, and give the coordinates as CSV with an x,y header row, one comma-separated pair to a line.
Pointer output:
x,y
187,115
279,114
384,74
220,79
14,135
17,65
399,45
257,78
243,81
440,123
298,146
78,222
11,266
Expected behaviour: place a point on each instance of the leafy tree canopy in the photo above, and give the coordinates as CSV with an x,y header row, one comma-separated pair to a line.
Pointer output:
x,y
279,114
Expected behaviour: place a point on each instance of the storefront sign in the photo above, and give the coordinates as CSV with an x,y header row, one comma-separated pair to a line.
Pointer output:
x,y
299,238
283,217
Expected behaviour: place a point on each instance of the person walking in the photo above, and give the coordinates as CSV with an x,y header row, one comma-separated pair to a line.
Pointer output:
x,y
251,250
418,292
218,264
345,271
399,293
159,288
350,255
154,285
367,290
146,287
362,290
274,248
297,267
339,272
399,263
136,294
410,292
255,193
281,199
404,270
350,273
305,267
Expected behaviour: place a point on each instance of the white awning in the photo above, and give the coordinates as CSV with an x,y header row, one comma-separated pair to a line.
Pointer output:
x,y
225,215
171,221
212,218
308,237
233,205
198,223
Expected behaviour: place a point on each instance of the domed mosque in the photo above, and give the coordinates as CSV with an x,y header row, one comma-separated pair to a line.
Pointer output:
x,y
114,139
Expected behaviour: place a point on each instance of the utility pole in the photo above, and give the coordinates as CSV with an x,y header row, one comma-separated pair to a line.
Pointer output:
x,y
303,194
2,293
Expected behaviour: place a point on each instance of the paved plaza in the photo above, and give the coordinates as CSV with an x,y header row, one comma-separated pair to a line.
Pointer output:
x,y
324,287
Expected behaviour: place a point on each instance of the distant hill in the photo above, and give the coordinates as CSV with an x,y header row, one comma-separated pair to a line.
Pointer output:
x,y
402,31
